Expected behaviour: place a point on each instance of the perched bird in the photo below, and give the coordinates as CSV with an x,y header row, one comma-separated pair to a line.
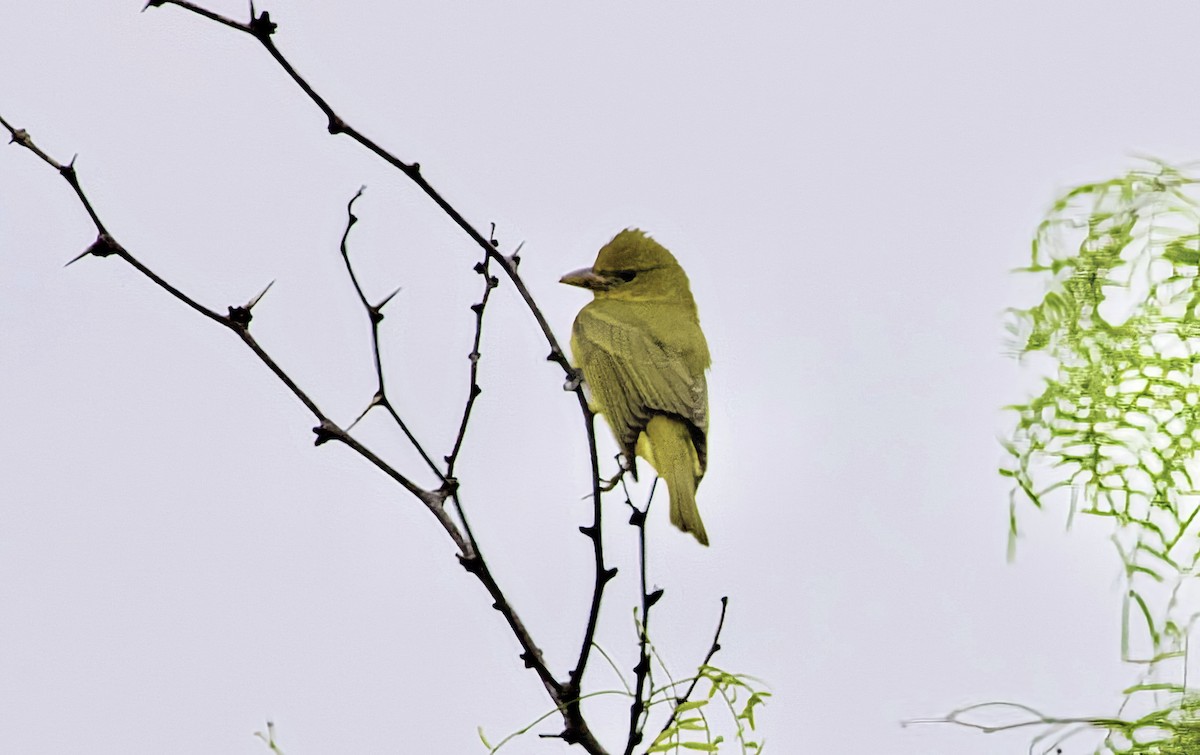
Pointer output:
x,y
643,356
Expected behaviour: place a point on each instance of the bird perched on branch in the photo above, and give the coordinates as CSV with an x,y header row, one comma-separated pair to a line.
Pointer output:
x,y
643,357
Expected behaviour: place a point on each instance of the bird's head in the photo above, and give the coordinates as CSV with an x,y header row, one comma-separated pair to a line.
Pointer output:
x,y
633,267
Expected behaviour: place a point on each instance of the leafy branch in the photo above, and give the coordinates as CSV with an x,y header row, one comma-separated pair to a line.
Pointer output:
x,y
1117,419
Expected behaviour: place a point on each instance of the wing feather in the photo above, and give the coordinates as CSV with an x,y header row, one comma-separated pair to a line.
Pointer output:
x,y
633,376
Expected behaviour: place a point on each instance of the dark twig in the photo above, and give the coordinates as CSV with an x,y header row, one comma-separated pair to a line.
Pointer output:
x,y
712,650
104,245
198,10
375,315
603,574
261,27
489,284
642,671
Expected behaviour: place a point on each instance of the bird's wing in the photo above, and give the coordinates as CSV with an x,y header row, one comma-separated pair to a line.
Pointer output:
x,y
634,376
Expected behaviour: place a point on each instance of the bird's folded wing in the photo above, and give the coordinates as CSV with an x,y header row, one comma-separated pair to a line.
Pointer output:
x,y
633,376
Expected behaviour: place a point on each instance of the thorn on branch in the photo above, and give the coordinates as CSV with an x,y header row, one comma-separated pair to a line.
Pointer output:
x,y
653,597
637,517
261,25
103,246
379,307
608,574
241,317
68,172
514,260
336,125
326,431
471,564
589,531
254,302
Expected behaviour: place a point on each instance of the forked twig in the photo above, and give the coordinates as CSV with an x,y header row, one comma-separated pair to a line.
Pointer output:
x,y
375,315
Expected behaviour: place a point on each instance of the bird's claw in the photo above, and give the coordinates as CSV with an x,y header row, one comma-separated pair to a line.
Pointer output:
x,y
573,380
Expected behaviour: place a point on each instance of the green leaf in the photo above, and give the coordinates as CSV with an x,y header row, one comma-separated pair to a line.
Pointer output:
x,y
691,705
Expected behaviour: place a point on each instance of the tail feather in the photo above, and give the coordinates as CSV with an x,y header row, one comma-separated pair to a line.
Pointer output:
x,y
674,457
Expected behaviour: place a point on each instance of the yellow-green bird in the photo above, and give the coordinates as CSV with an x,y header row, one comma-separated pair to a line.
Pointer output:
x,y
643,356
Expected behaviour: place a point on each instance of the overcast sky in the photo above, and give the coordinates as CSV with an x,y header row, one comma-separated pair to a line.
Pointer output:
x,y
847,185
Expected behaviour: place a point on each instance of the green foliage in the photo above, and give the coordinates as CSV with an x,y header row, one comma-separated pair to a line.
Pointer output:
x,y
1120,420
1171,731
738,694
690,730
1118,417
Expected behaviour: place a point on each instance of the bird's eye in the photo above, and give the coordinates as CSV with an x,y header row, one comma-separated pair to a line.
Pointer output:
x,y
626,275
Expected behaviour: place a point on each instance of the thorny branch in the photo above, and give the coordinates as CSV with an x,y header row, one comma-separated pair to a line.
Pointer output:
x,y
238,320
472,559
566,696
642,671
489,284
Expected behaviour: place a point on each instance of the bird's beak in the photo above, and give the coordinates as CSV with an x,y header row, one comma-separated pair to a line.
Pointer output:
x,y
586,277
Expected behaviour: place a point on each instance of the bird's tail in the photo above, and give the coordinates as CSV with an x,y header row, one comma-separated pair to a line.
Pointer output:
x,y
674,456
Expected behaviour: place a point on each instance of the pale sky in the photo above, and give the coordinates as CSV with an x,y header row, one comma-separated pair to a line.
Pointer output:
x,y
847,185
